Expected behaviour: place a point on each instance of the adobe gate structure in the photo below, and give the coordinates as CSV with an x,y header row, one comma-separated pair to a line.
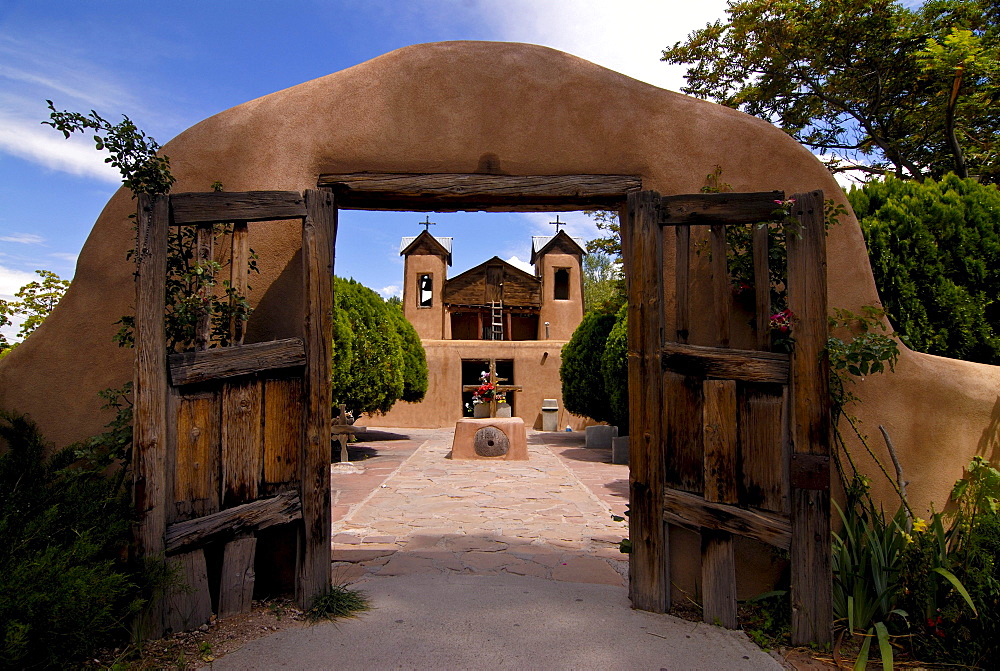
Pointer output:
x,y
233,443
727,441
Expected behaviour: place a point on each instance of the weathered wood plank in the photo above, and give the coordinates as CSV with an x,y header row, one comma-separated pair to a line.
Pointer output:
x,y
225,362
259,514
196,456
236,585
238,274
682,283
150,383
282,429
807,299
474,191
811,575
720,208
682,432
649,581
732,364
242,446
761,287
694,512
189,603
764,448
319,234
220,206
204,255
718,579
721,291
719,412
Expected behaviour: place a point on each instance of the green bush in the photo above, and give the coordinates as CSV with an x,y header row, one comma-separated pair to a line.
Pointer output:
x,y
65,586
377,355
583,389
614,368
935,252
414,357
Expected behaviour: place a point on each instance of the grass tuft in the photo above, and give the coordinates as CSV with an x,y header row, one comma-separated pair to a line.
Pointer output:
x,y
337,601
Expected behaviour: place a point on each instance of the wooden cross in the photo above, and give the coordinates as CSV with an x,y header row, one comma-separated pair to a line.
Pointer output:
x,y
497,388
427,223
341,431
557,223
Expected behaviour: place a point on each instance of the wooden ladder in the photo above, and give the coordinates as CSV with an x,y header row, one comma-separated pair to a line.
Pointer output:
x,y
496,328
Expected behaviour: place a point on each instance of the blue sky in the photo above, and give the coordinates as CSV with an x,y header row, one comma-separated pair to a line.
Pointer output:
x,y
168,65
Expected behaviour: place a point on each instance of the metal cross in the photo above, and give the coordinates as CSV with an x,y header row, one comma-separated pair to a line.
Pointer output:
x,y
557,223
427,223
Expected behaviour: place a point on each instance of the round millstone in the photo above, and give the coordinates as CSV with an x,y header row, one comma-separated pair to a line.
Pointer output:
x,y
490,442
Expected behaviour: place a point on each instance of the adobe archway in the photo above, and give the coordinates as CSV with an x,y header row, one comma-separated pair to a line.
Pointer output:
x,y
451,108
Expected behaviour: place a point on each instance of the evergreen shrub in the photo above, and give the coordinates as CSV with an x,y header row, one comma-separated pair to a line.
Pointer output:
x,y
934,248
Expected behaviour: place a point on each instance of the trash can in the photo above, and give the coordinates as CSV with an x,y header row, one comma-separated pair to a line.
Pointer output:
x,y
550,414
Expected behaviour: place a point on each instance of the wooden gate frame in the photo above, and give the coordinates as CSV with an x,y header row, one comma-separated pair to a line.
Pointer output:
x,y
318,214
653,505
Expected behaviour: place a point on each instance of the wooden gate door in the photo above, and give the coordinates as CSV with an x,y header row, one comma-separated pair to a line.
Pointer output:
x,y
727,442
232,441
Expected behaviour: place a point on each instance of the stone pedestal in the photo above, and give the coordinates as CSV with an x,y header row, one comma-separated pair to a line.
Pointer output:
x,y
600,436
550,414
619,450
491,439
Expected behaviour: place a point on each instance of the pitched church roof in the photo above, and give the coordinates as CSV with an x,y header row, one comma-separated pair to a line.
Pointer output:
x,y
426,243
542,244
494,279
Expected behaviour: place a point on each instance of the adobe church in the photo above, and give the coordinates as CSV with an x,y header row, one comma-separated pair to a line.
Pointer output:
x,y
495,313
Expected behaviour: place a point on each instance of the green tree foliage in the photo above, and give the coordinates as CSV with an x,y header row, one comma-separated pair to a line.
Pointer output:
x,y
873,84
376,360
130,149
611,243
414,357
34,301
603,282
583,389
935,252
64,588
614,368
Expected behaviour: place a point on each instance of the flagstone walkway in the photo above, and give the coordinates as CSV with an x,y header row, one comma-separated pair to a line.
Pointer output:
x,y
414,510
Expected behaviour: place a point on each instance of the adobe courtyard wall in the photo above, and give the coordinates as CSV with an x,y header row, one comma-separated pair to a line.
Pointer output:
x,y
441,108
536,368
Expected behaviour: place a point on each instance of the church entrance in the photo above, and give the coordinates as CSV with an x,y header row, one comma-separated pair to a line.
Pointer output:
x,y
472,374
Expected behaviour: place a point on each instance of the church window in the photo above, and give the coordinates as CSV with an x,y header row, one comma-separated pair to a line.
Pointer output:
x,y
561,284
425,290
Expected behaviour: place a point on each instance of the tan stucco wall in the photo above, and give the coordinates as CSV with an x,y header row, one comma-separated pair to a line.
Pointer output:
x,y
536,368
439,108
563,315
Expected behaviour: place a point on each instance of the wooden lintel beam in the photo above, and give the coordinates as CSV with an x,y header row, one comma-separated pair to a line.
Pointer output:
x,y
223,362
216,206
248,517
726,364
720,208
473,191
694,512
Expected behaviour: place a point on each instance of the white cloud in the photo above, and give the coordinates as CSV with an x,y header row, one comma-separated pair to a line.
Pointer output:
x,y
23,238
12,280
627,36
523,265
578,224
391,290
40,144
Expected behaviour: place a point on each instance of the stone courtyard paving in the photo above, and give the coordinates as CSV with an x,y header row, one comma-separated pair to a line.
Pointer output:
x,y
414,510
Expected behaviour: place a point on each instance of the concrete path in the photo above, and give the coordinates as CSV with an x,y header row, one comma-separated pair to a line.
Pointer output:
x,y
476,564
